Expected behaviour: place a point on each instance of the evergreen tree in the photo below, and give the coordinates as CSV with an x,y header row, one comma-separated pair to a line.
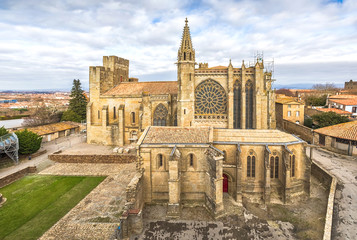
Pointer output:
x,y
78,102
29,142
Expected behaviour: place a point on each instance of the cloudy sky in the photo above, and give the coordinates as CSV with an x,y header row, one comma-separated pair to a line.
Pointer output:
x,y
46,44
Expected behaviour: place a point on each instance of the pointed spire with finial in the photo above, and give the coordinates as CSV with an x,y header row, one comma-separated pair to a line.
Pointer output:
x,y
230,64
186,52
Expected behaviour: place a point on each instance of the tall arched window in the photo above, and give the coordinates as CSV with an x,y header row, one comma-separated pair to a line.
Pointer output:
x,y
249,105
210,98
237,104
132,117
292,165
114,113
274,167
160,161
191,159
160,115
251,165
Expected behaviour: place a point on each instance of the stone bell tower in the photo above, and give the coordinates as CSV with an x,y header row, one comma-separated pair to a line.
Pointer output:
x,y
185,78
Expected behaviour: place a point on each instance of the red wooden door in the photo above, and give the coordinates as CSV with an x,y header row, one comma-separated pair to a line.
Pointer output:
x,y
225,183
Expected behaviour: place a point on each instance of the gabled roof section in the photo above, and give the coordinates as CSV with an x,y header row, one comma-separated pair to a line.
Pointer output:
x,y
345,101
135,88
177,135
336,110
346,130
52,128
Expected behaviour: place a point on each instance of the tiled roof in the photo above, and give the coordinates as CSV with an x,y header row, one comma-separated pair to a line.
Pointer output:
x,y
336,110
252,136
287,100
348,102
346,130
131,88
218,68
342,96
52,128
177,135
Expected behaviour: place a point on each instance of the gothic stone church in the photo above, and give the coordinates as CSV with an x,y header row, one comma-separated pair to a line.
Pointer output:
x,y
212,131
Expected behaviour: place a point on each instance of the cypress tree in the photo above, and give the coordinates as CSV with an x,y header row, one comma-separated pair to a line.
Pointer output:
x,y
78,101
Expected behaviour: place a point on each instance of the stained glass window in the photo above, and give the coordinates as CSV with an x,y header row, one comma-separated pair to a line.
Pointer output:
x,y
211,98
237,104
160,115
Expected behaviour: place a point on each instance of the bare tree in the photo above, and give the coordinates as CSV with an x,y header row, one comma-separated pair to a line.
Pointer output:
x,y
326,87
43,115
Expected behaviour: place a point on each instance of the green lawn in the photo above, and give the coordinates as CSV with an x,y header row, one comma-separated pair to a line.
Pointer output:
x,y
36,202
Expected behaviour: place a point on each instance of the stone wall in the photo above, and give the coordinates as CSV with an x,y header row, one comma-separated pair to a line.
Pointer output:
x,y
330,182
16,176
64,158
301,131
132,219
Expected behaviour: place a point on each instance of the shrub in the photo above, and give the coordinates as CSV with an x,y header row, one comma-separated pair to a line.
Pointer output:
x,y
3,131
29,142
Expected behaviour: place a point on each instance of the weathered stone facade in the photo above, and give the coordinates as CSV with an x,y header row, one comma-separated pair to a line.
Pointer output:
x,y
212,131
121,108
257,164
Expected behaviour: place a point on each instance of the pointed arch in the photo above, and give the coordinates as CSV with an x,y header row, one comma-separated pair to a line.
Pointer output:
x,y
251,163
210,98
237,92
160,115
249,105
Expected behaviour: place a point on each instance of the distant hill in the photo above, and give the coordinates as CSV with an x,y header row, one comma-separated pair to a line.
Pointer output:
x,y
300,86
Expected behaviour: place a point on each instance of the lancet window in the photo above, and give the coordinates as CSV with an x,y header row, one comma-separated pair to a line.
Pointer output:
x,y
249,105
237,104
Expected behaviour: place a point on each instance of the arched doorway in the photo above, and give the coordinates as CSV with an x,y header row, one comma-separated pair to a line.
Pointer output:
x,y
225,183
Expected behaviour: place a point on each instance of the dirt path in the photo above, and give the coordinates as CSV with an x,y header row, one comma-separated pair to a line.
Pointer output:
x,y
344,168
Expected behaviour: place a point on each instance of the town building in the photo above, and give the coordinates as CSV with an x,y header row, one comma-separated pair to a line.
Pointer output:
x,y
344,102
212,131
53,131
341,138
289,109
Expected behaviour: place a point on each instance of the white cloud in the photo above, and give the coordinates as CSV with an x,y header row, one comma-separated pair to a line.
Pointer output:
x,y
46,44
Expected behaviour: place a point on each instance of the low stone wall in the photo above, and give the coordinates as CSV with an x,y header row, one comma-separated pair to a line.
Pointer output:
x,y
301,131
17,175
64,158
132,219
330,182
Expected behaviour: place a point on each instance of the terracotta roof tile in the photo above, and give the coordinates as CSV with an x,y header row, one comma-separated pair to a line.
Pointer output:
x,y
350,101
342,96
346,130
336,110
131,88
218,68
177,135
52,128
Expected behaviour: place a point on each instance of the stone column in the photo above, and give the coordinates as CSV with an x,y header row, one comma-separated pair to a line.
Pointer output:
x,y
287,187
105,116
219,186
121,118
173,208
267,180
239,176
230,109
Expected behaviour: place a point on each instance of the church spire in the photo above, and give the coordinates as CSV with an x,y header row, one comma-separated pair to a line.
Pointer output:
x,y
186,51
